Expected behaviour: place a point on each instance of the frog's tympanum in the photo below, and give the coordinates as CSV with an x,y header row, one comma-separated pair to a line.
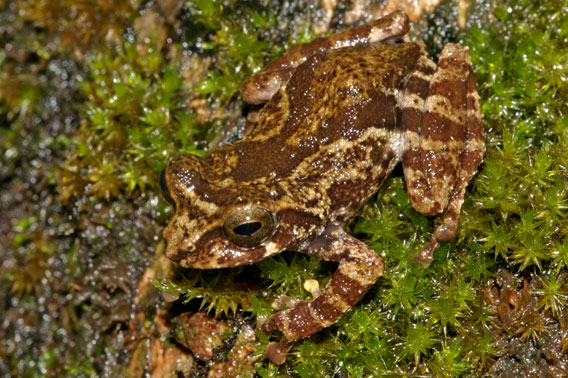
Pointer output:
x,y
341,112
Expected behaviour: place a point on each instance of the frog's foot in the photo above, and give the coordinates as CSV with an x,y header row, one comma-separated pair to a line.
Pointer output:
x,y
261,87
445,231
444,136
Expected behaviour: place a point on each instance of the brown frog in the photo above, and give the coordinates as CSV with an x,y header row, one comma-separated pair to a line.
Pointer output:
x,y
341,112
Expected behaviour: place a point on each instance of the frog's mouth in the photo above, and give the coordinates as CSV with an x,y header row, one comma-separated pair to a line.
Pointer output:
x,y
213,250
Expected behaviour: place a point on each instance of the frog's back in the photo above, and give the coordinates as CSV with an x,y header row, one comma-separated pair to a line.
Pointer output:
x,y
334,97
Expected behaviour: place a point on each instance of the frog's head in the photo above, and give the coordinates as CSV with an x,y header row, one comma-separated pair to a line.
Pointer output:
x,y
216,224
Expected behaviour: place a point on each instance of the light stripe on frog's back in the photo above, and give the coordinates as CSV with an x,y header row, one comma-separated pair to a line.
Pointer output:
x,y
343,174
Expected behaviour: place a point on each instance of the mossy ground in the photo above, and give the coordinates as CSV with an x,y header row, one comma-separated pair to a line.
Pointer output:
x,y
93,104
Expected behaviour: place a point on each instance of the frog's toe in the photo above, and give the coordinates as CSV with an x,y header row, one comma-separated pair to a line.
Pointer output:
x,y
285,301
277,351
426,256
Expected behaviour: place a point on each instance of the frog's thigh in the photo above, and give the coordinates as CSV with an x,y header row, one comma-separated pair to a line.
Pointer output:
x,y
261,87
359,268
434,156
445,147
412,111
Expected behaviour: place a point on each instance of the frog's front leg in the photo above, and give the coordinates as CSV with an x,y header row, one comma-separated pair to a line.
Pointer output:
x,y
444,135
359,268
261,87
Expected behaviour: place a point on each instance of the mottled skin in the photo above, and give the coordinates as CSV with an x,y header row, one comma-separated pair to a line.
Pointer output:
x,y
345,111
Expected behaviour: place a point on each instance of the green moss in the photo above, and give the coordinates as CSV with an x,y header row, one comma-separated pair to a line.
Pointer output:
x,y
217,291
554,293
287,275
136,121
233,36
520,63
418,342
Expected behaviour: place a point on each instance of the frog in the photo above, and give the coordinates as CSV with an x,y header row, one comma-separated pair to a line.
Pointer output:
x,y
338,114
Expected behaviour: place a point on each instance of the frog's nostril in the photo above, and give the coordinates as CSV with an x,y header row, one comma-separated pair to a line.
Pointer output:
x,y
247,229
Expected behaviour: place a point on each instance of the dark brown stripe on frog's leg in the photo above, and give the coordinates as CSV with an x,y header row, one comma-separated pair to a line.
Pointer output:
x,y
444,124
359,268
412,112
471,158
418,82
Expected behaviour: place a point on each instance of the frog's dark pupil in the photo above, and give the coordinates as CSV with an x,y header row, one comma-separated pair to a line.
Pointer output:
x,y
247,229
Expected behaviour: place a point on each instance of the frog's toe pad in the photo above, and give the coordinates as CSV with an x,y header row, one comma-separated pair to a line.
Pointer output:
x,y
446,231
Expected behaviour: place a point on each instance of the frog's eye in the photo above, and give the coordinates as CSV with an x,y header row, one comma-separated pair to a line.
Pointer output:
x,y
250,226
164,188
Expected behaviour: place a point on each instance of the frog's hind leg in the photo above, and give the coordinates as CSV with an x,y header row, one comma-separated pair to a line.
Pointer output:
x,y
412,115
261,87
444,143
359,268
